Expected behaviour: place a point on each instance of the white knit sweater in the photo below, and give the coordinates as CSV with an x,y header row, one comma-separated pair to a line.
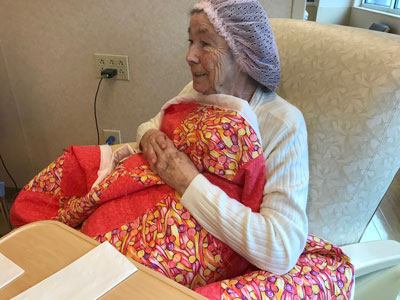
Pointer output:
x,y
274,238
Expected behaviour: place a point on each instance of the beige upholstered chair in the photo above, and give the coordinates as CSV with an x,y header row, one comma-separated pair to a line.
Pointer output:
x,y
346,81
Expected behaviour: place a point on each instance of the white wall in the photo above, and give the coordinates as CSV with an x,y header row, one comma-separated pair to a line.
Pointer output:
x,y
334,11
298,8
13,146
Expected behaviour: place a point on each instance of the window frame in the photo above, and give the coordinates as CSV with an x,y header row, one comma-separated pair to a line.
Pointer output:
x,y
392,9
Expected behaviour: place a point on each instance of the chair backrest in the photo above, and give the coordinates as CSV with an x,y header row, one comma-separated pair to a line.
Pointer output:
x,y
346,81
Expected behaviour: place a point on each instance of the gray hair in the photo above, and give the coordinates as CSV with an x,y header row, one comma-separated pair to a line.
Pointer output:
x,y
196,11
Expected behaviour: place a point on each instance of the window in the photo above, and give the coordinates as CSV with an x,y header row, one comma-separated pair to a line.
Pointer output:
x,y
385,3
391,6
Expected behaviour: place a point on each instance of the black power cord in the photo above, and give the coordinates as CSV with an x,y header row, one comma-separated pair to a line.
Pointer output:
x,y
107,73
95,114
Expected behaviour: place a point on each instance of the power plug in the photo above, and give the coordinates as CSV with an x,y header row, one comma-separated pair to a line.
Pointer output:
x,y
109,73
111,136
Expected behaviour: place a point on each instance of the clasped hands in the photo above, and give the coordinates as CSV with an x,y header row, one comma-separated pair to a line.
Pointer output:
x,y
172,165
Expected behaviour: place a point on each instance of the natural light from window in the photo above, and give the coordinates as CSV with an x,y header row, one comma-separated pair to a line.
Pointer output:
x,y
390,6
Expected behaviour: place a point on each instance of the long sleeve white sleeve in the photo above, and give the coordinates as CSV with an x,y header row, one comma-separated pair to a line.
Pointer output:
x,y
274,238
153,123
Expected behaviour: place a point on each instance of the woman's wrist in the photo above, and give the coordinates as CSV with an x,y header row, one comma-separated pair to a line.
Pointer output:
x,y
183,187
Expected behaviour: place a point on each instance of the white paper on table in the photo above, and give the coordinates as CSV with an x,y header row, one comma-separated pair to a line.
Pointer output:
x,y
89,277
9,271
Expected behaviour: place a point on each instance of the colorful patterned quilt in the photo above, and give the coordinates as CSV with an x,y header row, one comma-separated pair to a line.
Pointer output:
x,y
142,217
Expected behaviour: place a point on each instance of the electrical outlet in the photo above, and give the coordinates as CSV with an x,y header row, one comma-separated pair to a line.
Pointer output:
x,y
111,132
110,61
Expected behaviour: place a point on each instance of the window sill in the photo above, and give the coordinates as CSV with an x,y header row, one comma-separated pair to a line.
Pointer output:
x,y
377,12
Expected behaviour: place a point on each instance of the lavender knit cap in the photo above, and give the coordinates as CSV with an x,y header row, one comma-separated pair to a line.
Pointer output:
x,y
245,27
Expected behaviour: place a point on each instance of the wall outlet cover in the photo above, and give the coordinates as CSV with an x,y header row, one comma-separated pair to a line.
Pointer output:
x,y
111,132
111,61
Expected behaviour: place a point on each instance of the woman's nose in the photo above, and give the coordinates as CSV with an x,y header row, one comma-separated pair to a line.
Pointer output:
x,y
192,56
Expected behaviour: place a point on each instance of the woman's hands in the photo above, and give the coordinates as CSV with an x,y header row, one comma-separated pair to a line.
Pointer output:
x,y
150,138
173,166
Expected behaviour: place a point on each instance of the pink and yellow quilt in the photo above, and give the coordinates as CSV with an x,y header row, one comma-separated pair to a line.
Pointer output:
x,y
134,210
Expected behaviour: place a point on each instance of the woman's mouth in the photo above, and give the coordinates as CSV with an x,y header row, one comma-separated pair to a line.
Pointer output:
x,y
199,74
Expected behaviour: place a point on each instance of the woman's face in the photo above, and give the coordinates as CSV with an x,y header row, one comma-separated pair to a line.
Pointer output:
x,y
209,58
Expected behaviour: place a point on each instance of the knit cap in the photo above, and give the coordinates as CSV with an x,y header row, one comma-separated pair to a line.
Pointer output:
x,y
245,27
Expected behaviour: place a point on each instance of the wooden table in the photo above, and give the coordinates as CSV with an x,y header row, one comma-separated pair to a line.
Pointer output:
x,y
43,248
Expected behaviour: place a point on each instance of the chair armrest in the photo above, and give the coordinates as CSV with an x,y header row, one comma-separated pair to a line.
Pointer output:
x,y
373,256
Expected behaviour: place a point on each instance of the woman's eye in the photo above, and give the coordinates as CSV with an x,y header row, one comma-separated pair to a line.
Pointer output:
x,y
190,42
204,44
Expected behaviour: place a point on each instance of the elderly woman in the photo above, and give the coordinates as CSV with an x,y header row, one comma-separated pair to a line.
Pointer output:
x,y
217,199
232,51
